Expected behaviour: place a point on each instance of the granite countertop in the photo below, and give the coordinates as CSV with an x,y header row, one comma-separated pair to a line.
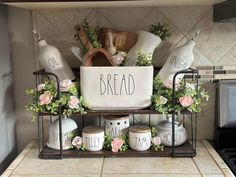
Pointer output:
x,y
207,163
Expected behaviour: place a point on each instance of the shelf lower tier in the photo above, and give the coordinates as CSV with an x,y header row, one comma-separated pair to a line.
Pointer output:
x,y
185,150
117,112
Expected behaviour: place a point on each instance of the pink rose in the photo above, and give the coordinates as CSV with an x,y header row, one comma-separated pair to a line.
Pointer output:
x,y
73,102
186,101
77,141
118,59
45,98
163,100
156,140
116,144
169,84
40,87
65,85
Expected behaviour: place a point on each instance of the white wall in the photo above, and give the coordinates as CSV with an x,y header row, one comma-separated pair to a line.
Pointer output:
x,y
7,118
22,48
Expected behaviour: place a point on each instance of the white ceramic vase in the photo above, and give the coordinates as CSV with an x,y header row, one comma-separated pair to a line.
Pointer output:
x,y
180,59
68,128
146,43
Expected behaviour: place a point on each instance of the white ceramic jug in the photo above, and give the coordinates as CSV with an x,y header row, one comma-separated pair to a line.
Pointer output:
x,y
52,61
181,58
147,43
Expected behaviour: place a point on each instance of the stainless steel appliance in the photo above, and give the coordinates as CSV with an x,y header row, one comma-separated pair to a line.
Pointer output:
x,y
225,131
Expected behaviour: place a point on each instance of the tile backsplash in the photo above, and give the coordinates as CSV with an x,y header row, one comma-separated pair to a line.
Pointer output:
x,y
215,45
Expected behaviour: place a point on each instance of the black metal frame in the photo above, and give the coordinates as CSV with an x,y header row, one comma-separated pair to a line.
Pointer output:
x,y
173,151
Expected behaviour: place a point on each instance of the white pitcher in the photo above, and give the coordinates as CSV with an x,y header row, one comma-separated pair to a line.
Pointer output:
x,y
147,43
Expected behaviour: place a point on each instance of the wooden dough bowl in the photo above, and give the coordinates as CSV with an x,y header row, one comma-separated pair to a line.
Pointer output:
x,y
98,57
123,41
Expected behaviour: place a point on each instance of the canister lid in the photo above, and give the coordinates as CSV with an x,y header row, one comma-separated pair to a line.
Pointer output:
x,y
93,130
139,129
116,117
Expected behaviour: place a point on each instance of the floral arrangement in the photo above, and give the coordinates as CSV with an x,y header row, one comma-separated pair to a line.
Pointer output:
x,y
187,97
160,30
156,141
116,144
45,99
144,59
77,143
90,32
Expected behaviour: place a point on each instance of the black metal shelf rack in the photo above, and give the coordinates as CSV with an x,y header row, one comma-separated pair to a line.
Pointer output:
x,y
186,150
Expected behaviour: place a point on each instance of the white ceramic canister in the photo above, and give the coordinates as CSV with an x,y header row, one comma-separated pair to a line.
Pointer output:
x,y
140,137
116,125
69,127
180,59
93,138
165,133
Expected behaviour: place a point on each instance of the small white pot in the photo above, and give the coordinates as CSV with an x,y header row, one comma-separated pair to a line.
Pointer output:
x,y
93,138
68,127
116,125
117,88
140,138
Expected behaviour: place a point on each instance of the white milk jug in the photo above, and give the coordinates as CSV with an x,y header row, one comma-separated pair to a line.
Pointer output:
x,y
180,59
52,61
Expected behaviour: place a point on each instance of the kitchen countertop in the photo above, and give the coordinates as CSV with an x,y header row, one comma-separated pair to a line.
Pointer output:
x,y
207,163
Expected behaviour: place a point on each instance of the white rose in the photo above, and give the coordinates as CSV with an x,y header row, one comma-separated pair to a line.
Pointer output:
x,y
163,100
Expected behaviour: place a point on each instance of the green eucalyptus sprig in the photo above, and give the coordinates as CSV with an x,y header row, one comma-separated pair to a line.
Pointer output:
x,y
107,142
160,30
90,32
144,59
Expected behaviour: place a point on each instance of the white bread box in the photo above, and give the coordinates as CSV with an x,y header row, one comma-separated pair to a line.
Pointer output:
x,y
117,88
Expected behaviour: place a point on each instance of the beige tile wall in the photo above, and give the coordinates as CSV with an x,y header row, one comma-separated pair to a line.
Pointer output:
x,y
215,44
